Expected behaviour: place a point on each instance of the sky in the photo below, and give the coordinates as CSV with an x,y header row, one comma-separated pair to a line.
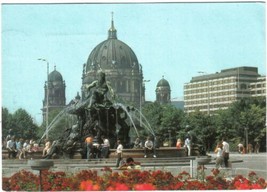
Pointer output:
x,y
174,40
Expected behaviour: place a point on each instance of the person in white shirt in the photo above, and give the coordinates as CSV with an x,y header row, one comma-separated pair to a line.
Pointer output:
x,y
187,145
149,147
225,153
105,147
11,147
119,153
219,157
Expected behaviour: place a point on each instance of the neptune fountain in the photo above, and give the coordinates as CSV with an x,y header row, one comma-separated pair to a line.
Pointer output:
x,y
98,116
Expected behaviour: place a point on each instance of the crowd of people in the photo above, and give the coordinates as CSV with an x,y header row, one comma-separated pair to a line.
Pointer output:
x,y
242,149
22,148
96,149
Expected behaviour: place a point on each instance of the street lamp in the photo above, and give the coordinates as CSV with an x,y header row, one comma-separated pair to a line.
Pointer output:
x,y
205,73
141,85
47,63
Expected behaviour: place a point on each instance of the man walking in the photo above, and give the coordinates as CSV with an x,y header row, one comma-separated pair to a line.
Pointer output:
x,y
225,152
119,153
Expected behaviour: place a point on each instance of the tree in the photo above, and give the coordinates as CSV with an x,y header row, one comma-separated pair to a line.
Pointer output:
x,y
171,122
153,113
21,123
59,122
201,129
6,122
247,113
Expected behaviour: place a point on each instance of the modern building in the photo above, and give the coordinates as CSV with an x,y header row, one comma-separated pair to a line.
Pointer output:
x,y
121,66
211,92
56,93
163,91
258,89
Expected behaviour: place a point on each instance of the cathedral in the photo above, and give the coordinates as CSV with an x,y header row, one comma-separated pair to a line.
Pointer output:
x,y
123,72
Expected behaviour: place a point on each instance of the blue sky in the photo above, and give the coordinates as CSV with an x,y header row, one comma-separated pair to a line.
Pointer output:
x,y
172,39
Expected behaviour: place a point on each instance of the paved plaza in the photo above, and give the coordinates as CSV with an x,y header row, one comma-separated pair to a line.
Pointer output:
x,y
251,162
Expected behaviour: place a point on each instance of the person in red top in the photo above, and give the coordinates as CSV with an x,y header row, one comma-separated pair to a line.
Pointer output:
x,y
89,145
179,144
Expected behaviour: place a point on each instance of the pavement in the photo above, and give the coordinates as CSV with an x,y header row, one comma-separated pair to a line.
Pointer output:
x,y
251,162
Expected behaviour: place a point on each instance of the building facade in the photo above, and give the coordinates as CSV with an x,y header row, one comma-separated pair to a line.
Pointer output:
x,y
211,92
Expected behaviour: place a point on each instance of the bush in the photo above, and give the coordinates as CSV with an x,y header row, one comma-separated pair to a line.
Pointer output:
x,y
88,180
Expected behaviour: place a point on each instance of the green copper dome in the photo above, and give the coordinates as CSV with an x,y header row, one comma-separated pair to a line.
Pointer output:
x,y
111,54
163,83
55,76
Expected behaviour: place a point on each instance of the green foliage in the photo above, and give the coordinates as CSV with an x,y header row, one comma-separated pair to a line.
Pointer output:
x,y
208,130
58,127
164,119
20,122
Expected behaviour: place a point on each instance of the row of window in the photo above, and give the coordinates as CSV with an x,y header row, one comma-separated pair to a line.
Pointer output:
x,y
252,86
205,107
258,92
206,95
218,94
206,101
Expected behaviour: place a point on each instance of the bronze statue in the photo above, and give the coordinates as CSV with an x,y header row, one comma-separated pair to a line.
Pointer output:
x,y
96,116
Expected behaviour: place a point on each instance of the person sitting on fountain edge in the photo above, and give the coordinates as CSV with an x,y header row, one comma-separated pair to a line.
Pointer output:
x,y
149,147
101,88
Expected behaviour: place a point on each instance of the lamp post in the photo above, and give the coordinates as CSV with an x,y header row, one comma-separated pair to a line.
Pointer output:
x,y
141,85
205,73
47,94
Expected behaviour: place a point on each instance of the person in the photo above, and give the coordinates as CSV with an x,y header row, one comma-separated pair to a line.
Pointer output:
x,y
89,146
219,155
240,148
179,143
187,145
225,152
11,148
46,148
9,135
149,147
19,146
119,153
26,147
257,147
250,148
130,164
105,147
137,143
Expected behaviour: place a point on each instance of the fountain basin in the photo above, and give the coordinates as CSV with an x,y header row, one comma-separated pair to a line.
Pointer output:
x,y
40,164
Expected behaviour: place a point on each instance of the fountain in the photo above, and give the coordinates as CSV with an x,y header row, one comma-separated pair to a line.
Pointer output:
x,y
96,116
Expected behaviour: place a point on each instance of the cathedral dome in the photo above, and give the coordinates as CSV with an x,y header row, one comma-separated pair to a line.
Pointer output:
x,y
163,83
112,54
55,76
123,71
